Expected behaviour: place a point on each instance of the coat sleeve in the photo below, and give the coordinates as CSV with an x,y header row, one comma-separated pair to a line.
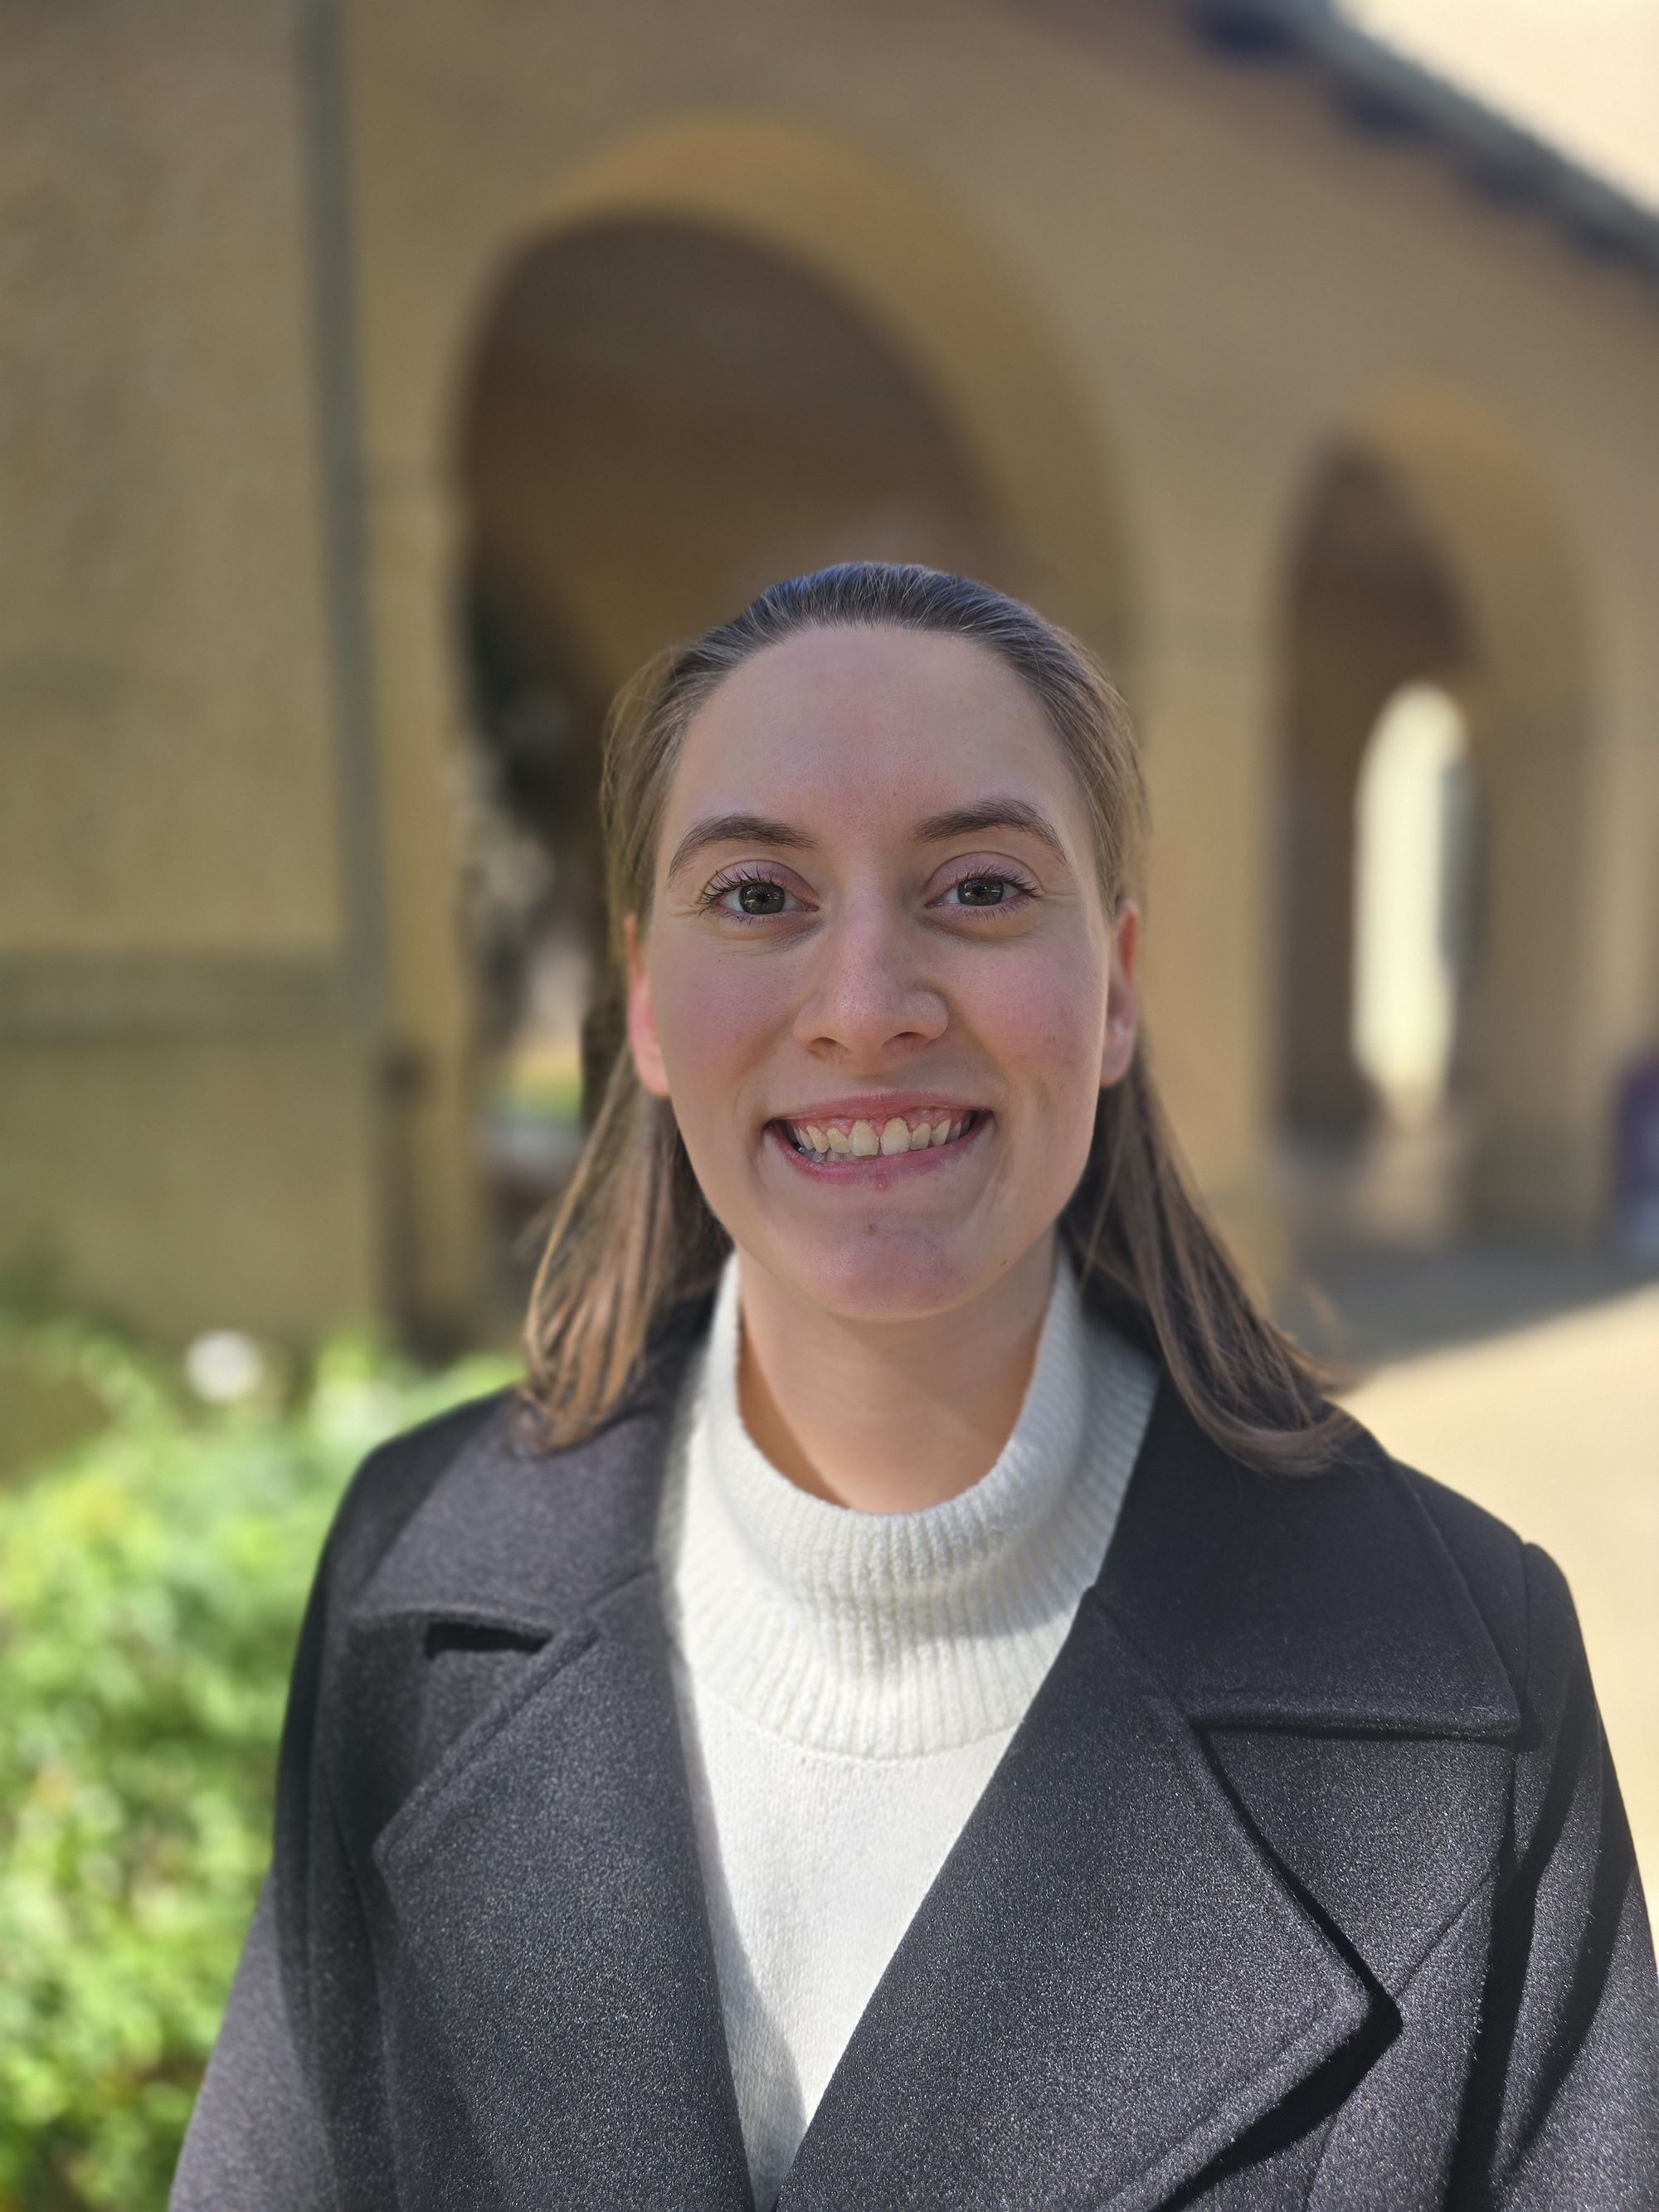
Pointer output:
x,y
260,2139
1563,2103
254,2141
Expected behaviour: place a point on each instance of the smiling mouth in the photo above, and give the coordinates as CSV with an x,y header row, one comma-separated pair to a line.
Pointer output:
x,y
848,1145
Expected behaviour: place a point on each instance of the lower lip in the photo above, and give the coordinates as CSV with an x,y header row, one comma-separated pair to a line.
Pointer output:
x,y
880,1169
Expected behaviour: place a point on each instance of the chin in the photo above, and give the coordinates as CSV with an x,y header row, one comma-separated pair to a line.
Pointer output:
x,y
897,1277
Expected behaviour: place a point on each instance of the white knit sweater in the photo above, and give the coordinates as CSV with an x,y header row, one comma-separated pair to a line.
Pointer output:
x,y
847,1682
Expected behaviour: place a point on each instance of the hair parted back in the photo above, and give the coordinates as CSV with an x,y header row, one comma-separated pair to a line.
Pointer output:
x,y
633,1237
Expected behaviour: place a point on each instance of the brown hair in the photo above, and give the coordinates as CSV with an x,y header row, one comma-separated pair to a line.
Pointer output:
x,y
633,1237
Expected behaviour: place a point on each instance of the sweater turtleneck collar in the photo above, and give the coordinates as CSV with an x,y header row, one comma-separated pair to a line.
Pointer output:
x,y
891,1635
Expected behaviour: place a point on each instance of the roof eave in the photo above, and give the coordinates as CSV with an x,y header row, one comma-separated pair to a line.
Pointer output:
x,y
1386,93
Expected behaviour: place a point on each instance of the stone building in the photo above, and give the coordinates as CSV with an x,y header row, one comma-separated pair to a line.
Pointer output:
x,y
382,381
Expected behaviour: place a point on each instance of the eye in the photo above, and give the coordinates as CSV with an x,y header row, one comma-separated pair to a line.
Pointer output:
x,y
743,880
979,881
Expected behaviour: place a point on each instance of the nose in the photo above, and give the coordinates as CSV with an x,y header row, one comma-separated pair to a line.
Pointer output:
x,y
866,989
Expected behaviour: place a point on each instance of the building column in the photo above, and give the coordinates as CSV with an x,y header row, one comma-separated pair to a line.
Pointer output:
x,y
1206,708
432,1195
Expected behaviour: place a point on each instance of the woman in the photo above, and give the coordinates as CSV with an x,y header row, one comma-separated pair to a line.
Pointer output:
x,y
924,1702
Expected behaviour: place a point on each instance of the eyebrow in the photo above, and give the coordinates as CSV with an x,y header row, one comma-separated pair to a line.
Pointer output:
x,y
740,829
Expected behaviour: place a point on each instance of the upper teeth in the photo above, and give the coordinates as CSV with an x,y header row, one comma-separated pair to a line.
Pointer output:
x,y
862,1141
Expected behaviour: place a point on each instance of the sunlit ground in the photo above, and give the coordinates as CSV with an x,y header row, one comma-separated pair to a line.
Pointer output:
x,y
1554,1425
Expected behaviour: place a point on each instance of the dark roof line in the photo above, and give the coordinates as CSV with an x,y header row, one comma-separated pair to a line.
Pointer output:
x,y
1386,93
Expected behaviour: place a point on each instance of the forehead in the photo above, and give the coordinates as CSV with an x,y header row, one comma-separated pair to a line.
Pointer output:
x,y
866,716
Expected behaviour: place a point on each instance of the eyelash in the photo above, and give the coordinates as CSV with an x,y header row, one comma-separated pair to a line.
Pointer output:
x,y
709,901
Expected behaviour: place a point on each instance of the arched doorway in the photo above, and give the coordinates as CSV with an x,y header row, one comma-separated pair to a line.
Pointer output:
x,y
1433,645
1376,619
662,415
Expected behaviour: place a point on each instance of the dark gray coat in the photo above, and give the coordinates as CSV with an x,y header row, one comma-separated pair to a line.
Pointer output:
x,y
1304,1883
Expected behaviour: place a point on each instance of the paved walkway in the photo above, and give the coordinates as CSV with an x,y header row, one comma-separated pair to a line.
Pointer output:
x,y
1554,1425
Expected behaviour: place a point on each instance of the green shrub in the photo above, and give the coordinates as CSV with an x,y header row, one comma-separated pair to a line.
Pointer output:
x,y
152,1579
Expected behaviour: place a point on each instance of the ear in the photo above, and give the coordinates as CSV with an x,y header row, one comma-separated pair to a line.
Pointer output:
x,y
1122,1012
641,1016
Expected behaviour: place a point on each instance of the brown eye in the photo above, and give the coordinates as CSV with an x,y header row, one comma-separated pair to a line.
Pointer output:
x,y
752,897
755,895
990,890
972,887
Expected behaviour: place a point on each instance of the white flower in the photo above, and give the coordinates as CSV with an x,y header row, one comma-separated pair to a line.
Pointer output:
x,y
223,1365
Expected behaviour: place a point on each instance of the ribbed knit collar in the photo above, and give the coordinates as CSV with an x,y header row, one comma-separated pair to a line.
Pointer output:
x,y
891,1635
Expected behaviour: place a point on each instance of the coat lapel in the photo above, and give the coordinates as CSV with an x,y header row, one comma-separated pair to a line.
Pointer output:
x,y
1114,1981
553,2020
1105,1985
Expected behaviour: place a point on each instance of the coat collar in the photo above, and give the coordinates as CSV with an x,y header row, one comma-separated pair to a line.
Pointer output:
x,y
1109,1934
1247,1594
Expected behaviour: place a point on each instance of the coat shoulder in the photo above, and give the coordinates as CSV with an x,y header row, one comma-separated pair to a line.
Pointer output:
x,y
1490,1557
395,1479
1490,1566
474,1519
1362,1596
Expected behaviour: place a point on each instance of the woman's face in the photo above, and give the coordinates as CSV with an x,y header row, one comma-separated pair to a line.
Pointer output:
x,y
885,965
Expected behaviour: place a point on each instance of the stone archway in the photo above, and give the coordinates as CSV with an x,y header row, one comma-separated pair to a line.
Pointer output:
x,y
937,297
663,419
1428,550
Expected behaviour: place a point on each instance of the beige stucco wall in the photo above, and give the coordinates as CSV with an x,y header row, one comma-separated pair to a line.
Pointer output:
x,y
1149,291
192,1183
182,1120
168,734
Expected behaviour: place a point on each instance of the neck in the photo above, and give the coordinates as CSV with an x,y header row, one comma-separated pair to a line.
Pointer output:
x,y
882,1416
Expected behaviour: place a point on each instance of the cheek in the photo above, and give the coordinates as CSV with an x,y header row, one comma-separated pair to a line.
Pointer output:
x,y
711,1014
1034,1016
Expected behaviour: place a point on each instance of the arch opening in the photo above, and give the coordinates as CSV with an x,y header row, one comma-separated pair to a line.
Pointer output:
x,y
1378,958
1435,709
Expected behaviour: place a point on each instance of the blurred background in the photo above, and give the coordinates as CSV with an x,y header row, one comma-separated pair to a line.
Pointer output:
x,y
379,384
